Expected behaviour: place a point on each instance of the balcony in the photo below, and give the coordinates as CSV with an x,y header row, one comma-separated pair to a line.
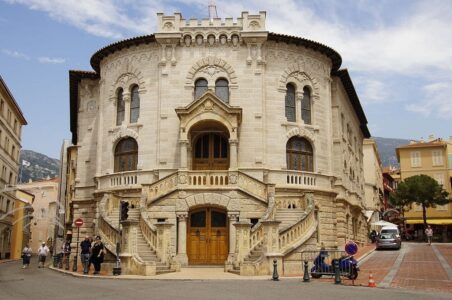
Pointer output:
x,y
124,180
299,179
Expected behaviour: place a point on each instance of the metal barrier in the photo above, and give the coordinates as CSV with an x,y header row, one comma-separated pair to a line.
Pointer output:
x,y
330,262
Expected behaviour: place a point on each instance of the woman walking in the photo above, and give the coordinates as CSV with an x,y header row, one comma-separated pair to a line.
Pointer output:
x,y
26,256
97,255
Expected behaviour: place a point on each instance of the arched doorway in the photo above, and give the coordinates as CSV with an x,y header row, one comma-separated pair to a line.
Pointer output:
x,y
207,236
210,146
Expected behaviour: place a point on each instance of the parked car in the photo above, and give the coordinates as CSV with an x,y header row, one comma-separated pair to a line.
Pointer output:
x,y
389,238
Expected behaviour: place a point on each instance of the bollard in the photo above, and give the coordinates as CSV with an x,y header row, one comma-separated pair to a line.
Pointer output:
x,y
275,276
74,266
337,272
306,272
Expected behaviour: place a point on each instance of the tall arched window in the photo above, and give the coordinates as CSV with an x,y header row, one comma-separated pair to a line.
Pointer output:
x,y
126,155
290,103
135,105
120,107
222,89
200,87
306,106
299,155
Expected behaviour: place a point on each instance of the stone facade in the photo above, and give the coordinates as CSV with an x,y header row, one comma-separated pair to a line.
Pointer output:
x,y
11,122
373,176
299,209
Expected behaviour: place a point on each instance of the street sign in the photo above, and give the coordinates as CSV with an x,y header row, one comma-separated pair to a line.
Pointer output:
x,y
78,222
351,248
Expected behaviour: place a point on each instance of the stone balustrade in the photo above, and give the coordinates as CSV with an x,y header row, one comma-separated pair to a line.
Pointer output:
x,y
292,203
292,178
294,234
256,236
109,234
124,180
208,178
149,234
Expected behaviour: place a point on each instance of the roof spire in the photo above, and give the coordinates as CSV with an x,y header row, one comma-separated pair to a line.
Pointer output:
x,y
212,10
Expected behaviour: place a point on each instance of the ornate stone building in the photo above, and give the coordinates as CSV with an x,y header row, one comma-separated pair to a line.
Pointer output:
x,y
233,146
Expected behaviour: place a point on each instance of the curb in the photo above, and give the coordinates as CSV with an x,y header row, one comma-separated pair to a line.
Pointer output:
x,y
5,261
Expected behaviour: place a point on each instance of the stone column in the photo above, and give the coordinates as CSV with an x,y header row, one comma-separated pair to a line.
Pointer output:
x,y
129,238
298,99
127,99
243,230
183,154
233,163
233,216
181,256
271,234
163,241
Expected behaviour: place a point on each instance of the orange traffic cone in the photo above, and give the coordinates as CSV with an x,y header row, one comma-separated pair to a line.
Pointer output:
x,y
371,280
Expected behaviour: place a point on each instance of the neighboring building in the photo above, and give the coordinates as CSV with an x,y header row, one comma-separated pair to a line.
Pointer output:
x,y
23,215
232,145
430,158
373,178
11,122
45,207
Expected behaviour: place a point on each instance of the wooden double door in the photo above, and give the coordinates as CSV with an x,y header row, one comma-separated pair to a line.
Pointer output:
x,y
211,152
207,236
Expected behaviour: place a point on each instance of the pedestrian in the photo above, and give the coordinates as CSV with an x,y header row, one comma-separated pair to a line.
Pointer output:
x,y
43,251
429,234
97,254
26,256
373,236
66,254
85,247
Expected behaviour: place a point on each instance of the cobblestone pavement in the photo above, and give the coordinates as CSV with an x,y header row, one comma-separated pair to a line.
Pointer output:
x,y
420,268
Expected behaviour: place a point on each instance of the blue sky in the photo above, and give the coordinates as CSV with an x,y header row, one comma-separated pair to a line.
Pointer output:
x,y
399,53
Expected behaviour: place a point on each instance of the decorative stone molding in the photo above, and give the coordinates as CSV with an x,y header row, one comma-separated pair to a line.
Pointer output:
x,y
302,132
300,77
122,132
211,66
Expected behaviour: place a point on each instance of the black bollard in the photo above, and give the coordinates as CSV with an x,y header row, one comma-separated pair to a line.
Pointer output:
x,y
275,276
306,272
337,272
74,266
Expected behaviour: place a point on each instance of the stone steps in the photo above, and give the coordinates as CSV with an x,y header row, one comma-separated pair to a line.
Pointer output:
x,y
288,217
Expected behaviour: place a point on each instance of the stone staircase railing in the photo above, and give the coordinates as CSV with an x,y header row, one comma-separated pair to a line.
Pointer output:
x,y
295,235
149,233
198,180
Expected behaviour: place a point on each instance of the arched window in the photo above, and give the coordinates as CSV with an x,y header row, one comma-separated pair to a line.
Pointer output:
x,y
200,87
126,155
135,105
290,103
222,89
299,155
120,107
306,106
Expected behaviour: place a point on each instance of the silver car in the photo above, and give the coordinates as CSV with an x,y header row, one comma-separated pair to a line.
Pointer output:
x,y
389,238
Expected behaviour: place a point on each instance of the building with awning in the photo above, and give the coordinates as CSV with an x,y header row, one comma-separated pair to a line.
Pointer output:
x,y
431,158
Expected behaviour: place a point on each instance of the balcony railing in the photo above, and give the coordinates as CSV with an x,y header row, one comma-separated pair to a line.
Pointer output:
x,y
299,179
124,180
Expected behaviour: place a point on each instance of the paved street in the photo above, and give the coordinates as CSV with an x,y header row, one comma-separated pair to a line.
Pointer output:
x,y
34,283
415,266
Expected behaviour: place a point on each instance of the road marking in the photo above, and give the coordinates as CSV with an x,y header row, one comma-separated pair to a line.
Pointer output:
x,y
443,262
386,282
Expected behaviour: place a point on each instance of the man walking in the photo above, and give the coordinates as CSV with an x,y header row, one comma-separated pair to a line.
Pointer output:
x,y
43,251
85,245
429,234
66,254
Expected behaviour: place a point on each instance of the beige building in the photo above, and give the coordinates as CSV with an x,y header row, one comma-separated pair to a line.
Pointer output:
x,y
44,215
23,216
432,158
11,122
373,178
232,145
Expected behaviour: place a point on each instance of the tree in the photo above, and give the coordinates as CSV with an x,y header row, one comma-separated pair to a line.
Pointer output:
x,y
422,190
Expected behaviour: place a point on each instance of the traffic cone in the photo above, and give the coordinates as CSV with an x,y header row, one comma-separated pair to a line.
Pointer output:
x,y
371,280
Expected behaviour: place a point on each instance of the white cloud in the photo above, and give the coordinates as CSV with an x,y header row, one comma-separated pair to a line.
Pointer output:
x,y
51,60
15,54
436,100
371,90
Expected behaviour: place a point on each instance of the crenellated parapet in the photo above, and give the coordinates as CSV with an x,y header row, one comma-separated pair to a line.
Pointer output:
x,y
173,31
